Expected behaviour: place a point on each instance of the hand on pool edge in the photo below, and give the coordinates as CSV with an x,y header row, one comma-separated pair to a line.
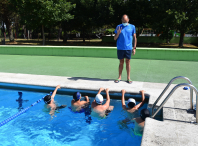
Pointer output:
x,y
123,91
142,91
58,87
101,89
107,90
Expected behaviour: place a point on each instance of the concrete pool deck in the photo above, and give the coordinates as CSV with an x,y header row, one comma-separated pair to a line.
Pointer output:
x,y
176,128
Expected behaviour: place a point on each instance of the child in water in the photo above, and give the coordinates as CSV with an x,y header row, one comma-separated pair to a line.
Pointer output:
x,y
50,103
99,109
77,104
132,108
140,122
81,106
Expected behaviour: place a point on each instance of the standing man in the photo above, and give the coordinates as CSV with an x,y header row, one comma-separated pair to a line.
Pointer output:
x,y
124,34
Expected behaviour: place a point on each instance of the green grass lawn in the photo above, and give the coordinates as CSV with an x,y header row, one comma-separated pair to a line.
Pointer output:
x,y
160,71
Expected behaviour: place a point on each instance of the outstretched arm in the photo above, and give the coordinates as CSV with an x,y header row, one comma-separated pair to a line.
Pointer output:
x,y
143,100
106,105
123,99
54,93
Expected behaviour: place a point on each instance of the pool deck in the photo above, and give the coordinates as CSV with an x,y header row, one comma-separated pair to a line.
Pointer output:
x,y
177,127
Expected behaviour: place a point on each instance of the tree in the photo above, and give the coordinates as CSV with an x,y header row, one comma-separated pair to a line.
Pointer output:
x,y
139,12
43,13
162,22
185,13
89,15
176,15
7,15
117,10
195,28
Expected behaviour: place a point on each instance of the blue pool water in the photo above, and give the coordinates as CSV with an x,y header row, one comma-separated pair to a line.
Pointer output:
x,y
36,127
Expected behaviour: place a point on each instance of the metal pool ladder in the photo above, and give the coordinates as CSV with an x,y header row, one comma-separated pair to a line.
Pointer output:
x,y
172,91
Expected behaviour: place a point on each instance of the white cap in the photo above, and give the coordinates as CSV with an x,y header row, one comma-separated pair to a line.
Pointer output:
x,y
131,100
99,99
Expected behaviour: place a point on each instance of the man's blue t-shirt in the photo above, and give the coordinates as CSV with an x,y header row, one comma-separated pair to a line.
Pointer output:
x,y
125,39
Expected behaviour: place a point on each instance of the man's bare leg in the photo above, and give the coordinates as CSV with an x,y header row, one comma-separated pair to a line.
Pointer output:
x,y
128,68
120,69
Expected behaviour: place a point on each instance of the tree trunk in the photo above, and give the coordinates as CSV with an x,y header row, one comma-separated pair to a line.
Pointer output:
x,y
181,41
167,40
49,35
43,35
65,36
28,36
83,34
24,31
59,33
138,31
12,33
9,29
3,29
17,27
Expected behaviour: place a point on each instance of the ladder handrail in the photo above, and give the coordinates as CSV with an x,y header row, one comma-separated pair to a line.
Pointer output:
x,y
175,78
172,91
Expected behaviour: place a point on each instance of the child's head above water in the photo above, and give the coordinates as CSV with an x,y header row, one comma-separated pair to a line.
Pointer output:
x,y
131,102
144,114
76,96
47,99
99,99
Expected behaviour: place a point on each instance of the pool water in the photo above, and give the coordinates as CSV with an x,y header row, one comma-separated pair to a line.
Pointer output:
x,y
36,127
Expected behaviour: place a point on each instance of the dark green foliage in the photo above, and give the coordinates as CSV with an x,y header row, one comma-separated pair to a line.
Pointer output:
x,y
87,15
35,13
7,15
175,15
43,13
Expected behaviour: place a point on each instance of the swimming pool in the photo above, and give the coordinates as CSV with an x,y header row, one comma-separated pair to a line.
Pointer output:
x,y
36,127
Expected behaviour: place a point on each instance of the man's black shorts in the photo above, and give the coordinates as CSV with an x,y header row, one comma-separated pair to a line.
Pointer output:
x,y
124,54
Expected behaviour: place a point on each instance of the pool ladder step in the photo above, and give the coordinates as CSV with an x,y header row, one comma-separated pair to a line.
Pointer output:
x,y
189,84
